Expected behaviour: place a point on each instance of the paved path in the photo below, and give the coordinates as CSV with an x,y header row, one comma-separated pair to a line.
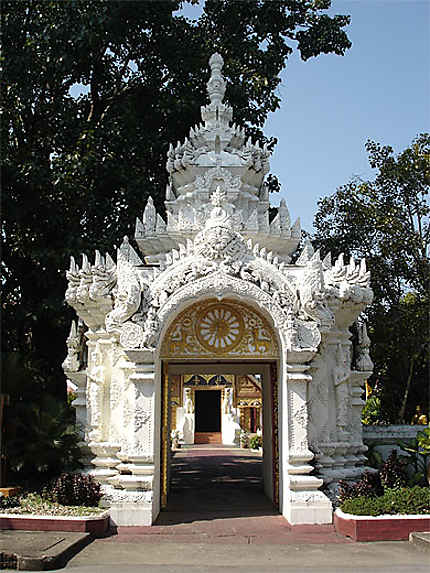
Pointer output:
x,y
382,557
218,520
217,497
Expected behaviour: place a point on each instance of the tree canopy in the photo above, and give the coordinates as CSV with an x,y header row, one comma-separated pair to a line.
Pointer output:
x,y
94,92
386,220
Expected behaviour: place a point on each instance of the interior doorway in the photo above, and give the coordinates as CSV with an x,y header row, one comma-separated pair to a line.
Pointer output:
x,y
207,415
208,408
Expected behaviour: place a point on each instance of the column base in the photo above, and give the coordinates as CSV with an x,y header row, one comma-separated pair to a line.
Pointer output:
x,y
308,507
128,507
132,482
123,514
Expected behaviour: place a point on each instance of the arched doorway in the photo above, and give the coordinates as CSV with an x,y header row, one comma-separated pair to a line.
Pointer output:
x,y
207,353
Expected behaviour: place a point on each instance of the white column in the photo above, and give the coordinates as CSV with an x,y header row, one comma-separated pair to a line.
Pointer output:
x,y
135,505
98,389
302,500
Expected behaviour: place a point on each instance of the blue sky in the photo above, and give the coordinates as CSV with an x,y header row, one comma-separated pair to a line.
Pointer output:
x,y
331,104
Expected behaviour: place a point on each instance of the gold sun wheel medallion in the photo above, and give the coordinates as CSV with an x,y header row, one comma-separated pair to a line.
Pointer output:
x,y
219,328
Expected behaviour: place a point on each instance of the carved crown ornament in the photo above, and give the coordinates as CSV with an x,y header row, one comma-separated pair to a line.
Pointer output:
x,y
134,301
216,154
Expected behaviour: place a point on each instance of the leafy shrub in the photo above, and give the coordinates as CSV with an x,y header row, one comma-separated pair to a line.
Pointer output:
x,y
393,472
41,437
371,413
403,501
8,502
417,456
255,442
369,486
423,439
74,489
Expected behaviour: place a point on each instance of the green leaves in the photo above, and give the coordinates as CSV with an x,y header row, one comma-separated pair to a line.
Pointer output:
x,y
386,220
404,501
423,439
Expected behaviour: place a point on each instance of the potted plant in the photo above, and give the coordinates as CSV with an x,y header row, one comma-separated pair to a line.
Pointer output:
x,y
244,439
176,439
255,443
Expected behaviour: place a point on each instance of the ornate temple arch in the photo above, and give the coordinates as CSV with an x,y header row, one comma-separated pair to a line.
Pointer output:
x,y
220,257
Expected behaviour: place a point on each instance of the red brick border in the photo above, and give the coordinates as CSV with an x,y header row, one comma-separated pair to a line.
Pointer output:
x,y
98,526
380,528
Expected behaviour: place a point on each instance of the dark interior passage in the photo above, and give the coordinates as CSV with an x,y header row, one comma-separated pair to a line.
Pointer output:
x,y
208,410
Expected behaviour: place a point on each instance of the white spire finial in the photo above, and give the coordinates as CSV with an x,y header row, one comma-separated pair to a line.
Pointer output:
x,y
216,83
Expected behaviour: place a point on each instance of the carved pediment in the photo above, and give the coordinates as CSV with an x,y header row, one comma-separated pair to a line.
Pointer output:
x,y
219,329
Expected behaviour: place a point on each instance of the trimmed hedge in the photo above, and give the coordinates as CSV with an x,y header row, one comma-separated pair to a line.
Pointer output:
x,y
402,501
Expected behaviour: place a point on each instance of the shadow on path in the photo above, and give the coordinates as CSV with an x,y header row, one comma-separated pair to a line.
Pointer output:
x,y
212,482
216,497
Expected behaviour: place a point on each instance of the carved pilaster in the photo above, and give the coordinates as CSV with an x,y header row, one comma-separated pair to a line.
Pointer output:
x,y
305,504
298,414
357,382
80,402
74,367
357,447
137,451
98,401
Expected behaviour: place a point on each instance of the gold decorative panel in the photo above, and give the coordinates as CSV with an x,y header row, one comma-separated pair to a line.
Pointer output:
x,y
208,379
175,382
219,328
213,329
247,392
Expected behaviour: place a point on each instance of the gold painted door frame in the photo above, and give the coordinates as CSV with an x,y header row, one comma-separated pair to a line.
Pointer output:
x,y
165,436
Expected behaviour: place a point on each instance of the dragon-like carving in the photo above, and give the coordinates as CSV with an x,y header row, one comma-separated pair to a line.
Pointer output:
x,y
127,302
312,294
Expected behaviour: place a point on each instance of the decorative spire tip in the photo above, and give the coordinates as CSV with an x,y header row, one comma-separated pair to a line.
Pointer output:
x,y
216,83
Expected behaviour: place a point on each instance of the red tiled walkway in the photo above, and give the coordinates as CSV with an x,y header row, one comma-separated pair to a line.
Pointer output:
x,y
217,496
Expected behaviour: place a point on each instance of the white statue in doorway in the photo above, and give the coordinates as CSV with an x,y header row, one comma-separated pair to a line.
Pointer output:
x,y
227,401
189,407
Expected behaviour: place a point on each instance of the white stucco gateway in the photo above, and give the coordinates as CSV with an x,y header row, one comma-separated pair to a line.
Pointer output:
x,y
213,291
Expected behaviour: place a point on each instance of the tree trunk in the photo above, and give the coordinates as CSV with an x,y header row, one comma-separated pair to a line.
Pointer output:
x,y
402,410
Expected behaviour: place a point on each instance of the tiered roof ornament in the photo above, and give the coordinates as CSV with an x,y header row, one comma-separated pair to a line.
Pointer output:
x,y
216,155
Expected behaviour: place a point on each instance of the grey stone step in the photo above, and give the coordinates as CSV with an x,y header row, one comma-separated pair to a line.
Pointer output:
x,y
421,539
39,550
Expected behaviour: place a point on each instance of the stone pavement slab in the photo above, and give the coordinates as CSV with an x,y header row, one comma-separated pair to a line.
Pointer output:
x,y
39,550
217,497
381,557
